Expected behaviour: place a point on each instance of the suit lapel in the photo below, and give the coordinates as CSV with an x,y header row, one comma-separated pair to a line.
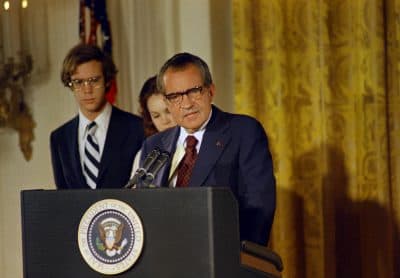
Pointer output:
x,y
215,140
75,157
168,143
114,138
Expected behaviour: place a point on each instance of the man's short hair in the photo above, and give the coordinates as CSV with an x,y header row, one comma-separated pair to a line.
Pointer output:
x,y
83,53
181,61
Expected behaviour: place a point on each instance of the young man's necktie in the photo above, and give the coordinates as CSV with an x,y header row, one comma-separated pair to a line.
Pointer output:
x,y
91,159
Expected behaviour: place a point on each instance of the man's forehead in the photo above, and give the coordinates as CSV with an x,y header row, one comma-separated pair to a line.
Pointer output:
x,y
92,67
179,80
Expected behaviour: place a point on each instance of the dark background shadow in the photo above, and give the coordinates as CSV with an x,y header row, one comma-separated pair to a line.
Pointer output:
x,y
363,230
291,249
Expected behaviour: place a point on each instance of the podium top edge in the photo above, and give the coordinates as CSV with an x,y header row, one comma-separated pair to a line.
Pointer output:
x,y
201,189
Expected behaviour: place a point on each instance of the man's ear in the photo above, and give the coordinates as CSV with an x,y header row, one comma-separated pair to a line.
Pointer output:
x,y
107,87
211,91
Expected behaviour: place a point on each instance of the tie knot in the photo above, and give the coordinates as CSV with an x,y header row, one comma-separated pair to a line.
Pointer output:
x,y
191,141
92,128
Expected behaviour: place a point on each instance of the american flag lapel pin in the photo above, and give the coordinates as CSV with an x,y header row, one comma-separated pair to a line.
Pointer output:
x,y
219,144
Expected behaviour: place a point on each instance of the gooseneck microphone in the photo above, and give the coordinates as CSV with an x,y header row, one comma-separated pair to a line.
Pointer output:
x,y
142,171
157,165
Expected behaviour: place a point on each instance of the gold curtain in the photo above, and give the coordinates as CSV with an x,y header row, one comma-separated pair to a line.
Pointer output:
x,y
323,78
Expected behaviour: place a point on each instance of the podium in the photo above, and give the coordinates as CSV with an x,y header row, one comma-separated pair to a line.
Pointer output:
x,y
188,232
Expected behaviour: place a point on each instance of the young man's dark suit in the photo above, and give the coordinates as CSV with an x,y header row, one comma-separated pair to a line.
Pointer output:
x,y
124,138
234,153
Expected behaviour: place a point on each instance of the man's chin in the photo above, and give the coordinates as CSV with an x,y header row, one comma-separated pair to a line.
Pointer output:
x,y
91,110
93,107
191,127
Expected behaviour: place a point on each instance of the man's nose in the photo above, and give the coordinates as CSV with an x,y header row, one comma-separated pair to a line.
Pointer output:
x,y
86,86
186,101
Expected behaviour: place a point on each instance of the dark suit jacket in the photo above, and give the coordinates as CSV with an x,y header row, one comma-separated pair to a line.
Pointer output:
x,y
234,153
124,138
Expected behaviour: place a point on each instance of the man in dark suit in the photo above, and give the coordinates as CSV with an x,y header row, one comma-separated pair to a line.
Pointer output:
x,y
228,150
96,148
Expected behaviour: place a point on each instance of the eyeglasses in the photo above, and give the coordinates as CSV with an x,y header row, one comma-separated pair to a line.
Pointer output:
x,y
193,93
79,84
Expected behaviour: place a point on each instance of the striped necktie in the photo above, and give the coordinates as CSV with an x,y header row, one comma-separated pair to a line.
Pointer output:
x,y
91,159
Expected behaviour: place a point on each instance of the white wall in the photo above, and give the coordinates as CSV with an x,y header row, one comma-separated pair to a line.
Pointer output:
x,y
149,32
51,105
145,34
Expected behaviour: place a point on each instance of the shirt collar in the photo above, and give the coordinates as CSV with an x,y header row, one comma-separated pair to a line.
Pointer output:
x,y
102,120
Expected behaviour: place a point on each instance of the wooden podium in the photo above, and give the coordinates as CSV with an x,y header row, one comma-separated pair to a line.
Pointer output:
x,y
190,232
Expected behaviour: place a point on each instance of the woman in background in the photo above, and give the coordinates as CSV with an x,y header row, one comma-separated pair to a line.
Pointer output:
x,y
153,109
154,112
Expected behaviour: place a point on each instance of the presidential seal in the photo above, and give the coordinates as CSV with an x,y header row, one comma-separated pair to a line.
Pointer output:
x,y
110,236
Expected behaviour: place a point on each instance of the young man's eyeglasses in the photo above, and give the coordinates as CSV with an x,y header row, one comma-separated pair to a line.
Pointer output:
x,y
192,93
79,84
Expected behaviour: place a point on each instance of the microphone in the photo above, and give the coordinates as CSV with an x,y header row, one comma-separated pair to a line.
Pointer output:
x,y
142,171
157,165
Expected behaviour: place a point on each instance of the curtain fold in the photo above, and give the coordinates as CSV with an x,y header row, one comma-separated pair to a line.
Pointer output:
x,y
322,77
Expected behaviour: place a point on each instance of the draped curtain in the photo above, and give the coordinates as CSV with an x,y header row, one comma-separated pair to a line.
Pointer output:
x,y
322,76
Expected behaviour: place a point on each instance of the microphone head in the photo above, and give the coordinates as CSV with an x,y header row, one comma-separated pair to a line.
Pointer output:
x,y
155,168
161,160
142,171
150,158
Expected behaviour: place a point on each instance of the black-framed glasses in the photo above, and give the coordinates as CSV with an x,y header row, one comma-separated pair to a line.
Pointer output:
x,y
192,93
79,84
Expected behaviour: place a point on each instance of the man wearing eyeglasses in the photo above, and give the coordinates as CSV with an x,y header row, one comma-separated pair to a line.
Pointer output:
x,y
96,148
214,148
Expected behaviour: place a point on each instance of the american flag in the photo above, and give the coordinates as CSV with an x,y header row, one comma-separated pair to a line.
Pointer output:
x,y
94,28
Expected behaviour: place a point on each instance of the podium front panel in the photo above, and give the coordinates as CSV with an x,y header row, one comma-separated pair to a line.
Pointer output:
x,y
190,232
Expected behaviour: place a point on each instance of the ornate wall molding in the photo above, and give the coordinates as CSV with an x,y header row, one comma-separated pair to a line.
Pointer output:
x,y
23,43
